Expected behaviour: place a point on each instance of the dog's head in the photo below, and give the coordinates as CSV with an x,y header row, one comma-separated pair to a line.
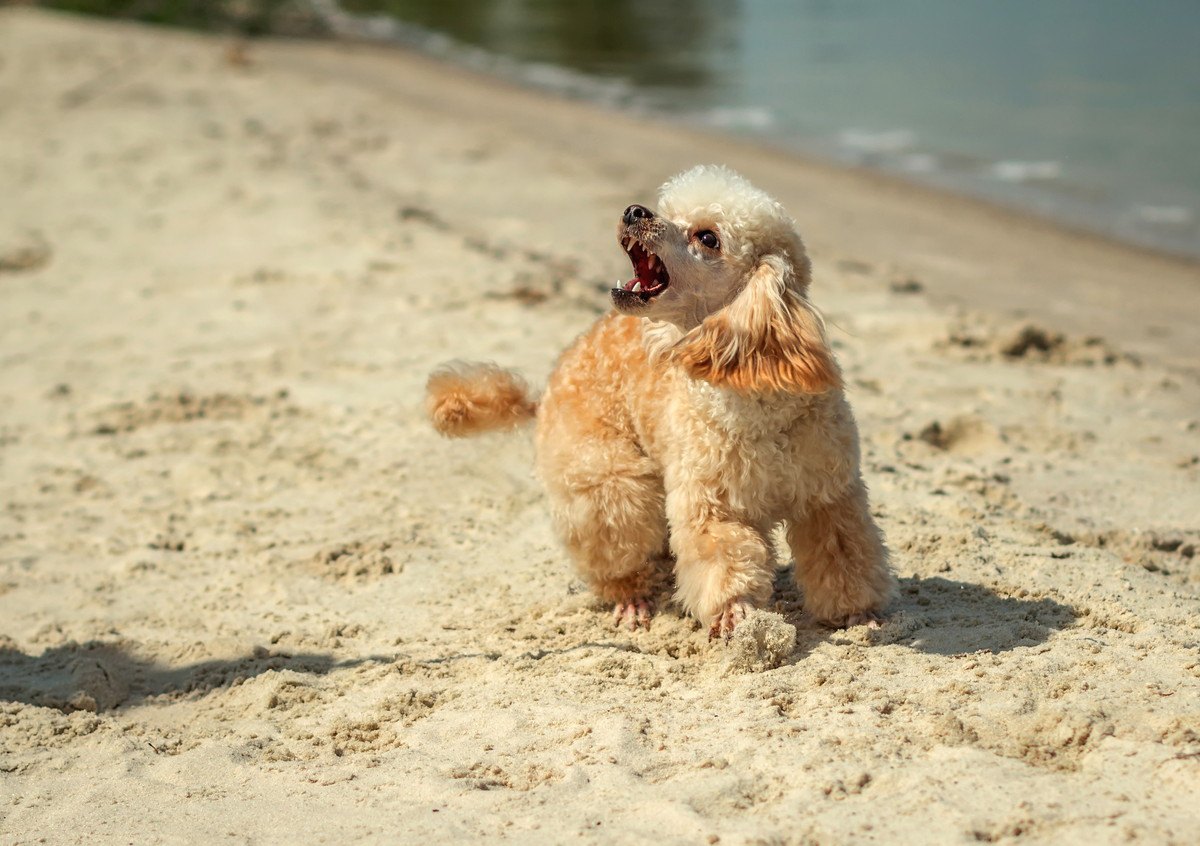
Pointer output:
x,y
722,261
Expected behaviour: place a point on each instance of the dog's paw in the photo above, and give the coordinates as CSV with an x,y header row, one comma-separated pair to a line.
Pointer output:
x,y
726,621
633,615
870,619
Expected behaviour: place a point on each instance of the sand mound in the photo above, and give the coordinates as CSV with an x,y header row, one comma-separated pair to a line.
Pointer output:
x,y
763,641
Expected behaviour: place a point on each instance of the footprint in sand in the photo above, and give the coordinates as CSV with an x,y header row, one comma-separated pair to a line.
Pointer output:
x,y
24,252
966,434
1031,343
184,407
356,561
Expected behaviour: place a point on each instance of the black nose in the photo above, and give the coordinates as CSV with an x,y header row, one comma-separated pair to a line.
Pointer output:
x,y
635,213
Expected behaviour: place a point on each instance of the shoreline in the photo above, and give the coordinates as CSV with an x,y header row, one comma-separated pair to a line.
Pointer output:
x,y
345,30
411,39
1169,313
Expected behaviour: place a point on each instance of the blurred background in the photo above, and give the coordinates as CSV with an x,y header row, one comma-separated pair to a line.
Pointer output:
x,y
1084,111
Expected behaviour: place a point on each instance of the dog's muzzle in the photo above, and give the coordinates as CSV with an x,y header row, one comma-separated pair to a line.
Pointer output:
x,y
650,274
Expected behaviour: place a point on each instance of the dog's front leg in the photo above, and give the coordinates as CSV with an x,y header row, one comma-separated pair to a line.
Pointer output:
x,y
841,561
723,567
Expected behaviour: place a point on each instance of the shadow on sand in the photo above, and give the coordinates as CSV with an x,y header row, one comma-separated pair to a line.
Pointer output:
x,y
944,617
98,676
931,615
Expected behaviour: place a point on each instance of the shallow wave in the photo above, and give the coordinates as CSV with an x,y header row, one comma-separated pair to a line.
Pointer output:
x,y
1163,215
1019,171
744,117
886,141
553,78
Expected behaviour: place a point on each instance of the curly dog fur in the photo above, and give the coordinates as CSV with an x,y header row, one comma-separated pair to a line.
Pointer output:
x,y
701,413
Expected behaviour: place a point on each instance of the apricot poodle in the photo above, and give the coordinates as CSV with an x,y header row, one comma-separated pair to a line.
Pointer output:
x,y
701,413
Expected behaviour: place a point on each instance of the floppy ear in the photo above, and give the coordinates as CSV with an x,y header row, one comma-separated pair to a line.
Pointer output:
x,y
767,339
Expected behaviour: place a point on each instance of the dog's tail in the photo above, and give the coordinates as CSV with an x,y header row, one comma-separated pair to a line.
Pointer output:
x,y
465,399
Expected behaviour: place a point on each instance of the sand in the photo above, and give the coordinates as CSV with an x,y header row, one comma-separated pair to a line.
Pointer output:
x,y
247,596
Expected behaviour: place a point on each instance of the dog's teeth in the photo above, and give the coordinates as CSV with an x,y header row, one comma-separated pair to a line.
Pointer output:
x,y
652,261
637,287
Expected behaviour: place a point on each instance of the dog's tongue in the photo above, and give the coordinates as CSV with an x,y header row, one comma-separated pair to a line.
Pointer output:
x,y
639,285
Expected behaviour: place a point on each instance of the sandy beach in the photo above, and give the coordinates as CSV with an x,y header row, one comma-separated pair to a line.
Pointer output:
x,y
247,595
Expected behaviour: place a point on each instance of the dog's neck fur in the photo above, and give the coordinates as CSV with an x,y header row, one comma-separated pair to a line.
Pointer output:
x,y
658,337
742,415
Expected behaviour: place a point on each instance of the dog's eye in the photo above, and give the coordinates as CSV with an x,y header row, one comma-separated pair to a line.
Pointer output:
x,y
709,239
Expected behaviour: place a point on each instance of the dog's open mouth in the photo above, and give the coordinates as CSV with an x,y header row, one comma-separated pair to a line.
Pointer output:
x,y
651,277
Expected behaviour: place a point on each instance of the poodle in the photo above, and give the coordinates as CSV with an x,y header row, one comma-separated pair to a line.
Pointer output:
x,y
702,412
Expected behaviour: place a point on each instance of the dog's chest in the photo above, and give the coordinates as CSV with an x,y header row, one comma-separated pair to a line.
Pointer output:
x,y
764,455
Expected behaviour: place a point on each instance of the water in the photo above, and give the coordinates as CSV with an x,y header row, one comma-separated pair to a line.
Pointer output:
x,y
1086,111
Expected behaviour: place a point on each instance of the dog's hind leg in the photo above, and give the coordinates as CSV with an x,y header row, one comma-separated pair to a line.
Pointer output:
x,y
841,562
608,505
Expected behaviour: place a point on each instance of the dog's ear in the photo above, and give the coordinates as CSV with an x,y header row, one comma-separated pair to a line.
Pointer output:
x,y
768,339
